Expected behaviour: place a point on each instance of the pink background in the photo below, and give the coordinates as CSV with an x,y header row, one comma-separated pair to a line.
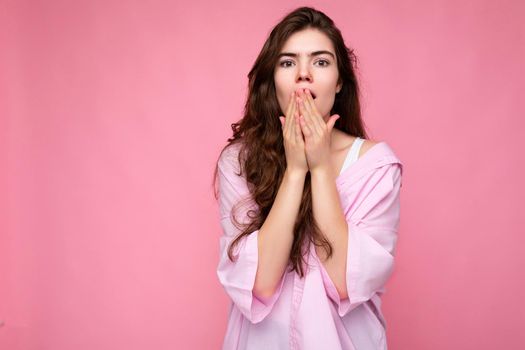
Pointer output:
x,y
112,117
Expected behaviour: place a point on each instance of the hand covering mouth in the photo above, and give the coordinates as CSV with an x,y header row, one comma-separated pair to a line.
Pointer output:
x,y
314,96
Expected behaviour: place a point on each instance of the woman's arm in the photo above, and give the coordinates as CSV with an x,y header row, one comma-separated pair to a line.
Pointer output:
x,y
276,234
371,234
329,216
255,278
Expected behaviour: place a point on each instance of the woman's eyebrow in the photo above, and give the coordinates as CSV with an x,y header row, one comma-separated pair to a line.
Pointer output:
x,y
314,53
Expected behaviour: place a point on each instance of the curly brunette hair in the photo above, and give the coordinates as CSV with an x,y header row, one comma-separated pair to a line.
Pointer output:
x,y
262,157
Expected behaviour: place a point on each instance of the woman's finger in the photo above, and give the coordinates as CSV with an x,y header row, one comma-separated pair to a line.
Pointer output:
x,y
286,126
310,127
331,121
298,132
317,121
289,120
307,130
290,109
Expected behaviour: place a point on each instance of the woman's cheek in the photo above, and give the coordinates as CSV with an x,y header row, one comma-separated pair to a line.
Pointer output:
x,y
324,107
282,104
320,107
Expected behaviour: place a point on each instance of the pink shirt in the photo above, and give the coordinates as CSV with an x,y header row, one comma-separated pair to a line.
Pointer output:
x,y
308,313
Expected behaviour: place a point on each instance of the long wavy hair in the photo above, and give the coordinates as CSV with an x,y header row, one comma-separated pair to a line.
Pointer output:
x,y
262,157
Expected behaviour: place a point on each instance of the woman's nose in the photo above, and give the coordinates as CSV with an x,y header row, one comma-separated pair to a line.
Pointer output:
x,y
304,74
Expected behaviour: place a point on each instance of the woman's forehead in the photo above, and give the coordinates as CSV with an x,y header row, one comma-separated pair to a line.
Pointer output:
x,y
307,42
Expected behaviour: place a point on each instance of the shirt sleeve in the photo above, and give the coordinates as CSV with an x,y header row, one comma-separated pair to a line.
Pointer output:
x,y
372,235
238,277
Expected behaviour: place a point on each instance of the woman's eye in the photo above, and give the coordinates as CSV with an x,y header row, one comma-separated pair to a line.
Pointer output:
x,y
326,63
288,63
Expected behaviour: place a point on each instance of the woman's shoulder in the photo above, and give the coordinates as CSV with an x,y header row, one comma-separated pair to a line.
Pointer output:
x,y
230,152
230,161
373,154
366,146
345,141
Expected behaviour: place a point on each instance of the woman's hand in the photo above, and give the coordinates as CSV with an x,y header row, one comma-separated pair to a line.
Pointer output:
x,y
317,133
293,139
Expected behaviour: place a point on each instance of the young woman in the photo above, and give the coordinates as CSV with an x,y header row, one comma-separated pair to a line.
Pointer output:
x,y
308,206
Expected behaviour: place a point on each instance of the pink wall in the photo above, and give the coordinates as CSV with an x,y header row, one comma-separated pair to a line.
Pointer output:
x,y
113,114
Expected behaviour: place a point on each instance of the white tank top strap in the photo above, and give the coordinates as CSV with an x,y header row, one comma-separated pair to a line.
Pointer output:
x,y
353,153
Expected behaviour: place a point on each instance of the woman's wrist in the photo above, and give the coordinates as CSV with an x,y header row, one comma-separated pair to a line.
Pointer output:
x,y
295,173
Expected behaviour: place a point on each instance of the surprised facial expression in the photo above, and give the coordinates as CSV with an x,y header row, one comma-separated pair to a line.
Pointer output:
x,y
308,60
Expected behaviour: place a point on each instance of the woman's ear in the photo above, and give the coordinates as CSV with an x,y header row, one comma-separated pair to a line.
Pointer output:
x,y
339,86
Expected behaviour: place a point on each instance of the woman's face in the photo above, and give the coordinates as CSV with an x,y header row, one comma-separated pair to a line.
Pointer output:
x,y
296,69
